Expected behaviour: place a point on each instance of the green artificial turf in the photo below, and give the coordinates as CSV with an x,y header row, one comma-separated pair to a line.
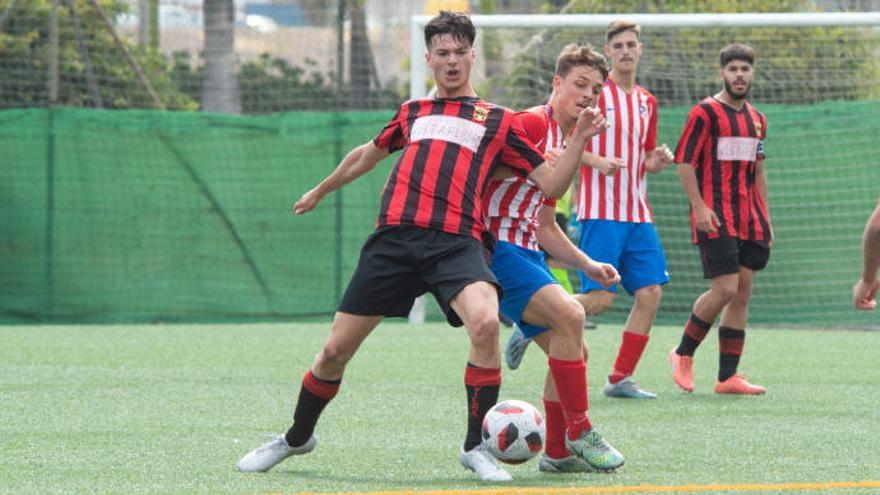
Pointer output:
x,y
170,409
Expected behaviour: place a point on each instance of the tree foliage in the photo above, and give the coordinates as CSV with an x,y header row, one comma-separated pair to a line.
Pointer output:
x,y
24,60
266,84
272,84
795,65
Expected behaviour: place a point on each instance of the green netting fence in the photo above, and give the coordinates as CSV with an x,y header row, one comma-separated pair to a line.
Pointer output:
x,y
141,216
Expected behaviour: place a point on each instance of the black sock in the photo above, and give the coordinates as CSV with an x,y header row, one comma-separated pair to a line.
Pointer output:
x,y
730,345
694,332
480,399
308,409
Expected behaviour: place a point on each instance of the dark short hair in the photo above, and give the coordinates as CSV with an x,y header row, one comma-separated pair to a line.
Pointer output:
x,y
620,26
736,51
575,55
457,24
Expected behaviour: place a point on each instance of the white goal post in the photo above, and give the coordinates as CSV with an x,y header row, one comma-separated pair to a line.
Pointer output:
x,y
418,71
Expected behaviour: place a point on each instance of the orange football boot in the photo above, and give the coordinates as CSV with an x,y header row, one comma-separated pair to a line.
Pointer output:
x,y
737,384
682,370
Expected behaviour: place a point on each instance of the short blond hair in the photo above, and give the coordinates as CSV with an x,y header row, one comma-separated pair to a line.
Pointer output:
x,y
620,26
576,55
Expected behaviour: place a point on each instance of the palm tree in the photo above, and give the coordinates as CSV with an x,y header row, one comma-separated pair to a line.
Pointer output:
x,y
219,81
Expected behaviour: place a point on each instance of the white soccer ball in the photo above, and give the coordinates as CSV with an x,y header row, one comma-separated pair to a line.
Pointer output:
x,y
513,431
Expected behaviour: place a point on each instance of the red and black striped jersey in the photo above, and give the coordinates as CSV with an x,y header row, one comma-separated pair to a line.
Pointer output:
x,y
450,147
723,145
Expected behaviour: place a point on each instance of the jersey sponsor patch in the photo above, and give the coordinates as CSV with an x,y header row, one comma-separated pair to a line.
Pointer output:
x,y
737,149
447,128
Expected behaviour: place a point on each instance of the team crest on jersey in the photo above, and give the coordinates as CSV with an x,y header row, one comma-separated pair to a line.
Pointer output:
x,y
481,114
643,108
758,128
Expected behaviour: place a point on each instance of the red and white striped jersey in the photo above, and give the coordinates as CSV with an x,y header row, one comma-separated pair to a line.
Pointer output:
x,y
632,132
511,205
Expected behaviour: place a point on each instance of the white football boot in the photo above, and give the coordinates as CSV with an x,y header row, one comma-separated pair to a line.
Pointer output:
x,y
482,463
263,458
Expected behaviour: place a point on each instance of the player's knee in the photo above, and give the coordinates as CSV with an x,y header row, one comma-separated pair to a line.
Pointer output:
x,y
333,357
484,330
743,293
725,293
650,296
602,300
571,318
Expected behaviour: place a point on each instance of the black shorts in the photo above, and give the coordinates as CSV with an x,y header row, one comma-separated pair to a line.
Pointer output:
x,y
398,264
724,255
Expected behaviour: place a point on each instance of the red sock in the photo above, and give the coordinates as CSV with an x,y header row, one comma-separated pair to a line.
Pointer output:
x,y
570,378
555,421
631,348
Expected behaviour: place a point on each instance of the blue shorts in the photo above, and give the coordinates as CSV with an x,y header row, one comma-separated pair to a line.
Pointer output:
x,y
632,247
521,272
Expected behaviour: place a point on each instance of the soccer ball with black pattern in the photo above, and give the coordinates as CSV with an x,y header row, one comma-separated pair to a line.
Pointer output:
x,y
513,431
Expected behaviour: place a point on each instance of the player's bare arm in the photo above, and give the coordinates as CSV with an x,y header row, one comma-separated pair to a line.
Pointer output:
x,y
706,219
558,245
659,159
356,163
605,166
865,290
761,182
554,181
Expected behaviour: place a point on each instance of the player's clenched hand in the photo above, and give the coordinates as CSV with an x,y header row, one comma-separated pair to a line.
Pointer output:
x,y
603,273
609,166
590,122
661,157
307,202
865,293
706,220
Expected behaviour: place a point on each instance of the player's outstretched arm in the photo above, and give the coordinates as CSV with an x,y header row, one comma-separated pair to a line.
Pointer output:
x,y
554,181
356,163
560,247
659,159
865,290
706,220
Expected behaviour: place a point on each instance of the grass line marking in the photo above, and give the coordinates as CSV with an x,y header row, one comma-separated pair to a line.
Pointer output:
x,y
591,490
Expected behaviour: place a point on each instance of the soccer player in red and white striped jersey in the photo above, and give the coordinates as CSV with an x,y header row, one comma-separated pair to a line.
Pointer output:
x,y
428,235
520,217
721,167
616,221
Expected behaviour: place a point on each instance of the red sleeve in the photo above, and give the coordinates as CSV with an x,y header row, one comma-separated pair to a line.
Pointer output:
x,y
519,152
392,136
693,138
651,138
535,126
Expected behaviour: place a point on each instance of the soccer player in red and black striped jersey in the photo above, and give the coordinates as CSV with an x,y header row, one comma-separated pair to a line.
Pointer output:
x,y
428,235
721,166
865,289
